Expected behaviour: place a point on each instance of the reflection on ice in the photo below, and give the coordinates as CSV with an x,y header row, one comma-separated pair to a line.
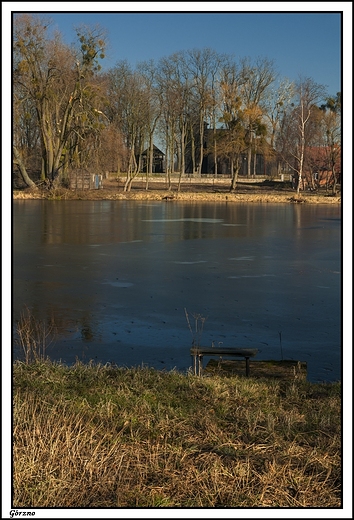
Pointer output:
x,y
207,220
252,276
118,284
131,241
243,258
189,263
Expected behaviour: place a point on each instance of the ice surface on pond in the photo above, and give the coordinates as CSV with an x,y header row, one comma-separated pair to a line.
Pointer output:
x,y
122,277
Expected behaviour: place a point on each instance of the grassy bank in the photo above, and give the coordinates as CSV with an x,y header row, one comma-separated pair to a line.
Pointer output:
x,y
101,436
204,191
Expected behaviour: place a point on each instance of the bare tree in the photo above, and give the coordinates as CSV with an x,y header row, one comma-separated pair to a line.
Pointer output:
x,y
59,84
254,81
148,74
175,97
275,104
232,142
111,155
294,136
169,112
332,110
129,108
203,66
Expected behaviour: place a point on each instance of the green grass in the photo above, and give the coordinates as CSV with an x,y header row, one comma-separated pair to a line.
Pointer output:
x,y
102,436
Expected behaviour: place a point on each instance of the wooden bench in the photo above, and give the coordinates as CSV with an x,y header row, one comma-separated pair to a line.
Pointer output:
x,y
197,354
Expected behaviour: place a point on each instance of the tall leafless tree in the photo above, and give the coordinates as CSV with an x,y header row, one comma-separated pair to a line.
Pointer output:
x,y
294,137
256,79
332,131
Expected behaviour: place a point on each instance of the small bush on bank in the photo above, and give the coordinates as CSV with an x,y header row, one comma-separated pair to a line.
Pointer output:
x,y
103,436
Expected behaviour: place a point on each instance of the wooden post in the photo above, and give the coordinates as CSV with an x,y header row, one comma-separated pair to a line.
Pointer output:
x,y
247,366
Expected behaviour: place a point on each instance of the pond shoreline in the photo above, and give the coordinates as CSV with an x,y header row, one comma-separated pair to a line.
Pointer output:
x,y
169,196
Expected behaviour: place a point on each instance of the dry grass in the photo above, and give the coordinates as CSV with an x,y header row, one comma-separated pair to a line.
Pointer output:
x,y
102,436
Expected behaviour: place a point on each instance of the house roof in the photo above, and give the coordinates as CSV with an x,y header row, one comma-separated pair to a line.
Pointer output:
x,y
156,151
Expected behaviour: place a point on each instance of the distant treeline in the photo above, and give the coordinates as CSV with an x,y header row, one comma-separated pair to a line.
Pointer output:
x,y
210,113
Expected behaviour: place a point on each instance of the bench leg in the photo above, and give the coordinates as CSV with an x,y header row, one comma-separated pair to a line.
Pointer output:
x,y
196,368
200,365
247,367
194,363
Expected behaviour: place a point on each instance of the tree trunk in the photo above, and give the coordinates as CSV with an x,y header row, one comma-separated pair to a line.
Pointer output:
x,y
193,155
149,170
301,162
201,129
215,157
249,159
168,168
183,151
22,168
235,168
128,183
334,187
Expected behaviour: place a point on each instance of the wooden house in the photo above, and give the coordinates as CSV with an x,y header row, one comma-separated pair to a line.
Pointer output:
x,y
158,161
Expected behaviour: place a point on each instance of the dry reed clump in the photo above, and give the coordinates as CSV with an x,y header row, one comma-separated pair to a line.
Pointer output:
x,y
101,436
33,337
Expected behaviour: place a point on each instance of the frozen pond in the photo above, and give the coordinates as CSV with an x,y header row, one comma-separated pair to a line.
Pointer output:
x,y
117,276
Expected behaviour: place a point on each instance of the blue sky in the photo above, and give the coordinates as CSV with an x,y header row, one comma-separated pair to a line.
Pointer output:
x,y
300,43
